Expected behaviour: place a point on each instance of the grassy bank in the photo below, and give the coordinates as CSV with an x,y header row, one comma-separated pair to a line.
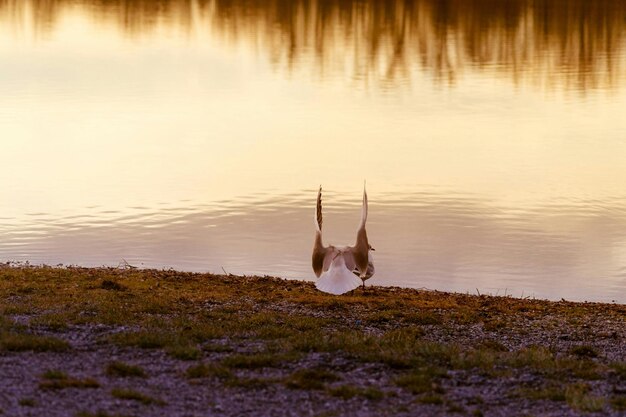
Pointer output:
x,y
130,342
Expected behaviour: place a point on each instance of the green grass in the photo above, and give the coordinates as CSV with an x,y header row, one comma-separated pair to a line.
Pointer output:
x,y
55,380
6,323
620,369
401,348
310,379
132,395
54,374
433,399
227,377
421,380
145,339
328,414
455,408
124,370
579,397
184,352
535,357
347,392
51,321
20,342
257,360
618,402
493,345
248,383
206,370
97,414
425,318
585,351
552,393
201,316
217,348
27,402
112,285
162,335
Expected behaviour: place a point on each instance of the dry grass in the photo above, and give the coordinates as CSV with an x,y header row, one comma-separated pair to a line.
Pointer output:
x,y
19,342
191,316
350,391
132,395
124,370
204,370
54,380
308,379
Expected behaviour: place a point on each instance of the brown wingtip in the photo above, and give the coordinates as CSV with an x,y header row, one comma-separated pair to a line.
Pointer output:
x,y
319,208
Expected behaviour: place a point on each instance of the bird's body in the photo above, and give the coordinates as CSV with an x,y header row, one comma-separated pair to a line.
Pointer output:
x,y
341,268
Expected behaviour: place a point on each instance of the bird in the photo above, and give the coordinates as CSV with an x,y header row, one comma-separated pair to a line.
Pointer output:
x,y
342,268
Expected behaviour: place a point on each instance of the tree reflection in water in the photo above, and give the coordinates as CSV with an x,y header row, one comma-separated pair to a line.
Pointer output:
x,y
552,44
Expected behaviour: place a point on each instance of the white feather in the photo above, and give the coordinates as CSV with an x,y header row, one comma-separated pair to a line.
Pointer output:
x,y
338,279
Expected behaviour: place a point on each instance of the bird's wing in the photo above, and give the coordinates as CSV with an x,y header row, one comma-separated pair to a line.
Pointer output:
x,y
338,279
321,254
360,251
322,257
370,266
363,210
369,270
318,211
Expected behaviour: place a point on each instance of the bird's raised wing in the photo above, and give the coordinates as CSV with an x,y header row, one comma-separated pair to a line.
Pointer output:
x,y
321,254
360,251
318,211
363,210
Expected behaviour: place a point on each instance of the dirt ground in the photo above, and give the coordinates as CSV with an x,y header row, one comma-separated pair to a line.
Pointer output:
x,y
107,342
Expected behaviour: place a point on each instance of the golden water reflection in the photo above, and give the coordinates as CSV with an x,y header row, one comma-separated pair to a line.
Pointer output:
x,y
551,44
193,135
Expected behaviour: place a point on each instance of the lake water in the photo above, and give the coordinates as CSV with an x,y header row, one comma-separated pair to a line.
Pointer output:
x,y
193,134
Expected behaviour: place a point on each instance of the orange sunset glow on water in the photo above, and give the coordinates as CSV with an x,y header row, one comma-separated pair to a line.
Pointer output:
x,y
194,135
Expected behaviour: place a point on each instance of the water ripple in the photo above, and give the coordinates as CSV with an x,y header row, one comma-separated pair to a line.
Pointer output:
x,y
422,240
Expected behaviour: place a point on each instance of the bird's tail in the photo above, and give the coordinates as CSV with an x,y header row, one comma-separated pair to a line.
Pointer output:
x,y
338,279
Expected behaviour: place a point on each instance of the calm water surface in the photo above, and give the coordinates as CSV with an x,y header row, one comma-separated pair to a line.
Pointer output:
x,y
193,134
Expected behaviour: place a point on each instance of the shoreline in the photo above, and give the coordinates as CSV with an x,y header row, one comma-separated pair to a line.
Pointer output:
x,y
82,341
126,266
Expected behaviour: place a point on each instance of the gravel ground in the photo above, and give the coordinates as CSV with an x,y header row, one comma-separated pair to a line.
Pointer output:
x,y
460,392
472,394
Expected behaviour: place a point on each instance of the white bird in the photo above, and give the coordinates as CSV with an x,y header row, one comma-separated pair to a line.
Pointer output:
x,y
341,268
